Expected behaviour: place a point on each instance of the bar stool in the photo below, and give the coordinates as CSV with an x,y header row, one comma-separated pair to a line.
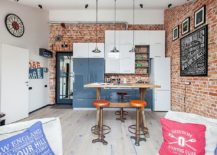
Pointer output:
x,y
100,129
135,129
121,112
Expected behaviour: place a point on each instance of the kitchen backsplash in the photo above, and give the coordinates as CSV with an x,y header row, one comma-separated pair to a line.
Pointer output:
x,y
128,78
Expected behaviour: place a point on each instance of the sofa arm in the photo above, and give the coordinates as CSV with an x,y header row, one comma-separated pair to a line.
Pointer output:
x,y
52,130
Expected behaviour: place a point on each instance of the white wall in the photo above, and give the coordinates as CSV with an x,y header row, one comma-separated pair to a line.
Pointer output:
x,y
35,37
149,16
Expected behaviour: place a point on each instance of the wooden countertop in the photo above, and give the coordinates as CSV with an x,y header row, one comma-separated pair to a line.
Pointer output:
x,y
127,85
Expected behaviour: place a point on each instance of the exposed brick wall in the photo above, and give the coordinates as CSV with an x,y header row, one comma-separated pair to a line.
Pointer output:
x,y
74,33
201,95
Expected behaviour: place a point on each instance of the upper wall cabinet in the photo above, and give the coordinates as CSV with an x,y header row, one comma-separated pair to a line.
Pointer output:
x,y
124,62
109,37
125,37
92,46
142,37
157,44
80,50
85,50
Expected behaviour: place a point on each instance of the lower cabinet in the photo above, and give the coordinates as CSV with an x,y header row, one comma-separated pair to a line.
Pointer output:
x,y
162,100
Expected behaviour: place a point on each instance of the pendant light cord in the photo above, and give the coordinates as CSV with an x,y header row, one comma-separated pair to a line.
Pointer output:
x,y
133,23
96,22
115,6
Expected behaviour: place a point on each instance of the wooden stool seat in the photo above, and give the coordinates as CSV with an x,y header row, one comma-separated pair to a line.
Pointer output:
x,y
101,103
138,103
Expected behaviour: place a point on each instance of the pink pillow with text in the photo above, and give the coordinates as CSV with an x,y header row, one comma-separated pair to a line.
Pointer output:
x,y
182,138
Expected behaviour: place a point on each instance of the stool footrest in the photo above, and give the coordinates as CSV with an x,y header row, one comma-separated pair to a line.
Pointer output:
x,y
96,130
132,129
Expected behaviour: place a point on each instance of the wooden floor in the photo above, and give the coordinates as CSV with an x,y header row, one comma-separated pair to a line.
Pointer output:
x,y
77,136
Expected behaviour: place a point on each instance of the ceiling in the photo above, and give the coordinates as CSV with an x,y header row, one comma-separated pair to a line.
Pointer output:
x,y
103,4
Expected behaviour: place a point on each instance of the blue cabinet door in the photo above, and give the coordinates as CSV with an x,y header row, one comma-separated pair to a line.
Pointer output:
x,y
86,71
96,70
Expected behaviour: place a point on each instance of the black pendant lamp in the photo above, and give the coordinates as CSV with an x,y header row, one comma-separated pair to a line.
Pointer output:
x,y
133,48
115,50
96,50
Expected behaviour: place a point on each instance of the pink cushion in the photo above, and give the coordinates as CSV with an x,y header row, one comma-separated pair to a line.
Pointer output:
x,y
182,138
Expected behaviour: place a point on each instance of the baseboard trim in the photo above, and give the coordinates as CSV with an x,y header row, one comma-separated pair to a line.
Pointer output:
x,y
41,108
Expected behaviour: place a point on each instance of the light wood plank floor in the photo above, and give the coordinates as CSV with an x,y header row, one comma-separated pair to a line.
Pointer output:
x,y
77,136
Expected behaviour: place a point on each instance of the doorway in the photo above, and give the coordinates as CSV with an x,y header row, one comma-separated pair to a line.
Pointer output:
x,y
64,78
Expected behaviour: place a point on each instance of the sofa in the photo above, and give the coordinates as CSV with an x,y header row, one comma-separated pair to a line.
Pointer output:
x,y
51,127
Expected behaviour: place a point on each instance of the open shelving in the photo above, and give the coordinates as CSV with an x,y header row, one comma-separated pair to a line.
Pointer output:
x,y
142,60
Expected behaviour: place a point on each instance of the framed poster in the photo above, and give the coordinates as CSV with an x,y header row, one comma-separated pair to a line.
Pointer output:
x,y
194,53
176,33
186,26
200,17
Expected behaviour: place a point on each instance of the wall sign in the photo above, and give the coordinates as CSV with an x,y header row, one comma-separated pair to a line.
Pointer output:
x,y
36,71
194,53
14,25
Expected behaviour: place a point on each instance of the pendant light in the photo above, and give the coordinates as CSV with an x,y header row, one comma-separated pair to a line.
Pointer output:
x,y
133,48
115,50
96,50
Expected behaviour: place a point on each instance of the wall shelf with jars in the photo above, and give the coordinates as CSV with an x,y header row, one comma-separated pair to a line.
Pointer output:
x,y
142,60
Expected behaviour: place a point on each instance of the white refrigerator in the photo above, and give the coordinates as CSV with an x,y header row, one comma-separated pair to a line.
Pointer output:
x,y
161,75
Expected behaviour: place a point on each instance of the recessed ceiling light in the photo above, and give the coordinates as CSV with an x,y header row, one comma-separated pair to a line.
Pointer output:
x,y
86,6
170,5
40,6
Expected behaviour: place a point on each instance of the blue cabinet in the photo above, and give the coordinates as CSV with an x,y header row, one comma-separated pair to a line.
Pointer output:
x,y
86,70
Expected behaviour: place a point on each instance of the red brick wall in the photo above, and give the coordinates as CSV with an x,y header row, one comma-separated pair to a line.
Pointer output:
x,y
74,33
201,95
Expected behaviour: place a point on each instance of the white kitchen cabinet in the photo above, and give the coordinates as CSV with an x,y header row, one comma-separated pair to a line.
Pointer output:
x,y
112,60
127,66
157,50
109,37
80,50
142,38
162,100
84,50
92,46
112,65
127,59
125,37
161,75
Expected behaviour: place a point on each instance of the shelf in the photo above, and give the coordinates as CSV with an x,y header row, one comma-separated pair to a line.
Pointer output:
x,y
142,60
140,53
142,67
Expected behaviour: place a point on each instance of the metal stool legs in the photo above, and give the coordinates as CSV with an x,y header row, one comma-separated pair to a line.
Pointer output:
x,y
121,113
99,130
137,128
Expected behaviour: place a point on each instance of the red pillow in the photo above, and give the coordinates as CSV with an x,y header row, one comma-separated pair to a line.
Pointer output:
x,y
182,138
